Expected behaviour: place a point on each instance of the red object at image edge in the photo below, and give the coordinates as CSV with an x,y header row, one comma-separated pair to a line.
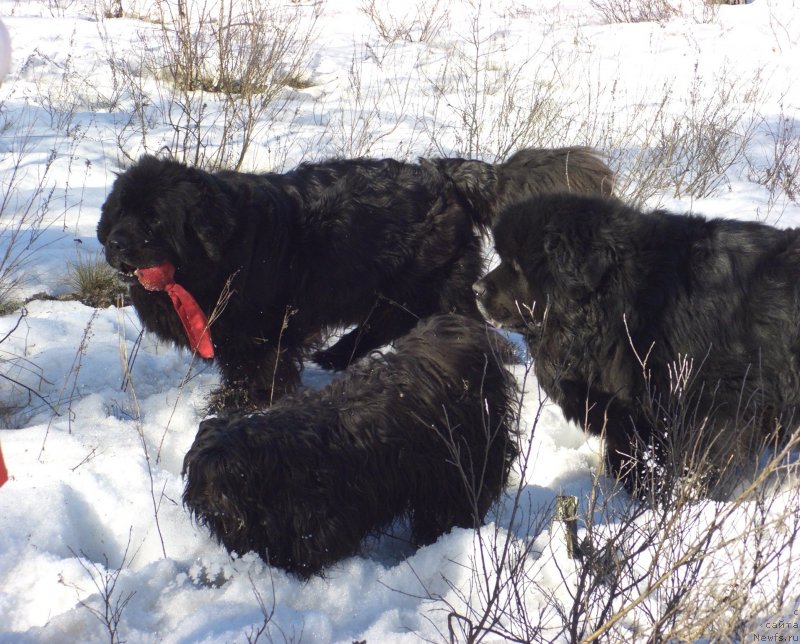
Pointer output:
x,y
3,470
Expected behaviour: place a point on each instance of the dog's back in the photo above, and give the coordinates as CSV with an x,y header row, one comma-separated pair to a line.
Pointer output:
x,y
489,188
579,170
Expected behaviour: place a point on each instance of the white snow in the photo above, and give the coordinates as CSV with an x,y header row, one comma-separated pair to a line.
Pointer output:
x,y
93,509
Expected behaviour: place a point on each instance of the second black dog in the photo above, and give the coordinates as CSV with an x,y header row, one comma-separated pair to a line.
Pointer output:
x,y
426,432
674,336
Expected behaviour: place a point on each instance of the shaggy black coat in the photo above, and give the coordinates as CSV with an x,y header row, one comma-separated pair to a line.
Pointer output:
x,y
673,335
426,433
372,243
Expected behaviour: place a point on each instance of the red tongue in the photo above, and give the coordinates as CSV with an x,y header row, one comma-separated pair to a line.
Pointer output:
x,y
162,278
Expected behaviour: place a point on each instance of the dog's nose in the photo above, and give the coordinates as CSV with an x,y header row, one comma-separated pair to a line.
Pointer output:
x,y
117,241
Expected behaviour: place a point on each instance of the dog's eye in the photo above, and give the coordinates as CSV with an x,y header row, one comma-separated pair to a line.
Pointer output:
x,y
152,224
151,216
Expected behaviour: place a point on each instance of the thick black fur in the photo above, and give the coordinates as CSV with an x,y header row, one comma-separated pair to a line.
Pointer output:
x,y
372,243
426,433
611,299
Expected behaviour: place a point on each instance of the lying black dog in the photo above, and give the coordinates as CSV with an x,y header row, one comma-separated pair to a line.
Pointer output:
x,y
672,335
427,432
377,244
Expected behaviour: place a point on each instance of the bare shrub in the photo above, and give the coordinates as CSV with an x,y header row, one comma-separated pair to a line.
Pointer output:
x,y
26,204
423,23
483,104
636,10
65,90
110,602
26,197
268,627
112,9
680,568
685,151
20,382
779,169
216,75
254,51
712,135
246,57
371,111
673,139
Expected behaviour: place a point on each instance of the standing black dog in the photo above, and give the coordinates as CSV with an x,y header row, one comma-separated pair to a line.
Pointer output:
x,y
672,335
373,243
427,432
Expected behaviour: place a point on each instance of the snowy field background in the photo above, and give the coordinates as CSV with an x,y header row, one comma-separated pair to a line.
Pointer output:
x,y
699,110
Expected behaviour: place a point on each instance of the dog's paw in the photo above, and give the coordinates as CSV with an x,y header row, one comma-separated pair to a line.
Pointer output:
x,y
331,359
231,399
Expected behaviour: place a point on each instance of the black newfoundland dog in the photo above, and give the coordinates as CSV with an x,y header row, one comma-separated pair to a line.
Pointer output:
x,y
426,433
277,260
675,336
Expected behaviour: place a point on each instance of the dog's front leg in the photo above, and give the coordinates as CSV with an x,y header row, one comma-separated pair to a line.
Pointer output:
x,y
268,373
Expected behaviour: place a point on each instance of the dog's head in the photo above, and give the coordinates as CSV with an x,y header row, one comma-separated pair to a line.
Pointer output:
x,y
159,210
554,251
506,297
218,474
514,294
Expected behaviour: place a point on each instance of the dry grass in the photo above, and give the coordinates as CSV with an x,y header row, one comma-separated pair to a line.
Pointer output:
x,y
683,569
94,282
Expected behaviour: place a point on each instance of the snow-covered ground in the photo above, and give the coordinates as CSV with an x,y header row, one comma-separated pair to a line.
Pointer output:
x,y
94,542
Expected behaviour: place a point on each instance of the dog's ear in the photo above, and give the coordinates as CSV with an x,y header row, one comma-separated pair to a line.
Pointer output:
x,y
579,261
212,221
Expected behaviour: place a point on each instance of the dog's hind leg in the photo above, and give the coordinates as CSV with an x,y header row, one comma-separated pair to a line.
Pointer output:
x,y
386,322
392,316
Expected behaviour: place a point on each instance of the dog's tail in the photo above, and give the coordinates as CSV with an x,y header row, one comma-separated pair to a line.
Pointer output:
x,y
489,188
